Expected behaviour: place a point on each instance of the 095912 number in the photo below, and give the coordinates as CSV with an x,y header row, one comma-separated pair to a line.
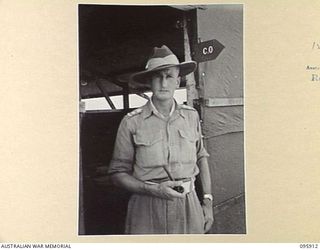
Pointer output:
x,y
308,245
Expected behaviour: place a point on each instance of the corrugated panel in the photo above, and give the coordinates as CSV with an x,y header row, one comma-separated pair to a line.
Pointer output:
x,y
223,102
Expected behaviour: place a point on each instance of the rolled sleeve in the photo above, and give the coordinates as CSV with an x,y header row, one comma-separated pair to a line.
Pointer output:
x,y
123,154
201,151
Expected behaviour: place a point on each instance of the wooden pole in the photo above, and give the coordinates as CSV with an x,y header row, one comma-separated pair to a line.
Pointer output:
x,y
192,92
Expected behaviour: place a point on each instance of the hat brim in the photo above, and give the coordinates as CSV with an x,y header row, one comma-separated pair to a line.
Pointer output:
x,y
140,79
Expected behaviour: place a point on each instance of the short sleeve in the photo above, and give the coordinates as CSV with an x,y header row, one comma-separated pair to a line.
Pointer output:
x,y
123,154
201,151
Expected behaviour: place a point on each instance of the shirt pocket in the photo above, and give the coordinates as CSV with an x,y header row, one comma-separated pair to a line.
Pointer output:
x,y
149,149
187,146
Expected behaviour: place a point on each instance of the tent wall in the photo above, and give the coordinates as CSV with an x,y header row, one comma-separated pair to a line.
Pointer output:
x,y
226,162
224,75
221,92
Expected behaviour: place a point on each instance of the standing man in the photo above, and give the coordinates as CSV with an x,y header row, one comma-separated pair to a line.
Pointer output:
x,y
158,153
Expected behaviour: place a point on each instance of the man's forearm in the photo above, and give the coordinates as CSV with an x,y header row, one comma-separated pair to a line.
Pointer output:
x,y
130,183
207,205
205,175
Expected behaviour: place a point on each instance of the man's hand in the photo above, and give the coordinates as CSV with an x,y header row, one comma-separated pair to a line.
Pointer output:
x,y
208,215
165,190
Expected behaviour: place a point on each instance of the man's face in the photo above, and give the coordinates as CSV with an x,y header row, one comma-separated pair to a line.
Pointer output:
x,y
164,83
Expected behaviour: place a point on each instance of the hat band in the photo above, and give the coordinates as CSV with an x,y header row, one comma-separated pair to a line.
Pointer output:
x,y
161,61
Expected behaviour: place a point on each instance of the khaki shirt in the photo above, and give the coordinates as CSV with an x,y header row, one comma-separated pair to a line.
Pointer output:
x,y
148,141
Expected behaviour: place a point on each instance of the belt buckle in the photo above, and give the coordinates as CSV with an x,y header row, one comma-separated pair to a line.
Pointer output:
x,y
187,187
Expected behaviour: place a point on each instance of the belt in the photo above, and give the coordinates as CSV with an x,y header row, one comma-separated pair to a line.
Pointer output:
x,y
187,183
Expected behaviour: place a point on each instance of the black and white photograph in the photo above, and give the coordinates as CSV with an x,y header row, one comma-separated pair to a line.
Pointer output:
x,y
182,123
161,92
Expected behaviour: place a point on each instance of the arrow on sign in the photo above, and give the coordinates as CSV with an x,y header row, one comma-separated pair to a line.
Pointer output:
x,y
208,50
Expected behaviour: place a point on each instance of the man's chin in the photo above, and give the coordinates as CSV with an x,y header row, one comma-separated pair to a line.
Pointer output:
x,y
163,96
